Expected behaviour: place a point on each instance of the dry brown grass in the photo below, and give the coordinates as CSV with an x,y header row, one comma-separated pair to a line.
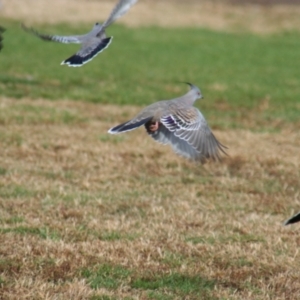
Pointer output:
x,y
73,197
211,14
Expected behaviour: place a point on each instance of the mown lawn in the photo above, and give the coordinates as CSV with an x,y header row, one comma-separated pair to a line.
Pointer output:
x,y
87,215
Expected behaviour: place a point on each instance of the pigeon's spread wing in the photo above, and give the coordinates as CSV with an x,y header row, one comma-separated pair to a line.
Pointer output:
x,y
121,8
189,119
189,135
55,38
88,51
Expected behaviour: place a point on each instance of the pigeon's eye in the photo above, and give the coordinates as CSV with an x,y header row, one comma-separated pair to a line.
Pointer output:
x,y
97,24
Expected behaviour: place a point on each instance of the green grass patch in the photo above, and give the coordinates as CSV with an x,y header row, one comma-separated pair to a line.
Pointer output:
x,y
43,232
232,238
102,297
36,114
12,220
105,297
2,282
111,138
115,236
173,260
178,283
3,171
239,74
160,296
110,277
10,139
106,276
16,191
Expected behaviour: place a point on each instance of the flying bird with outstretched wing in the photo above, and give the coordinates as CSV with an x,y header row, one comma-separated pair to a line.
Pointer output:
x,y
178,123
93,43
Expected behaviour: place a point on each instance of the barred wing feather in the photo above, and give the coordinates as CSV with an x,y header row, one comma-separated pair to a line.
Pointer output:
x,y
190,135
179,146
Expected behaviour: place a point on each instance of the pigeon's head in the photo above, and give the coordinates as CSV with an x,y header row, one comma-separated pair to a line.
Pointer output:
x,y
195,91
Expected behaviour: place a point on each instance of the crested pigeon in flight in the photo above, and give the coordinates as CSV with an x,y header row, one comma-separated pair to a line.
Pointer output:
x,y
93,42
179,124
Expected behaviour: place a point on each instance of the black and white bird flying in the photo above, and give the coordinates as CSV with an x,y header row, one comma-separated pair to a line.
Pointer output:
x,y
93,42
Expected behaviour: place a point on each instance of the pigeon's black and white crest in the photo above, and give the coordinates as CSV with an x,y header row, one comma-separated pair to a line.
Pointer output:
x,y
92,43
179,124
293,219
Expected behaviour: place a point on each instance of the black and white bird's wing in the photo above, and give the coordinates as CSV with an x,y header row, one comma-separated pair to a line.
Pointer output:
x,y
293,219
120,9
189,126
75,39
90,48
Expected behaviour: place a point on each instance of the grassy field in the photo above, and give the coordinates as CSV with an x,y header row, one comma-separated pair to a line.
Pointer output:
x,y
86,215
238,73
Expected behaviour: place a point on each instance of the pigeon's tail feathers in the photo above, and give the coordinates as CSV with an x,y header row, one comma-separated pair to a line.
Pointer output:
x,y
82,57
128,126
